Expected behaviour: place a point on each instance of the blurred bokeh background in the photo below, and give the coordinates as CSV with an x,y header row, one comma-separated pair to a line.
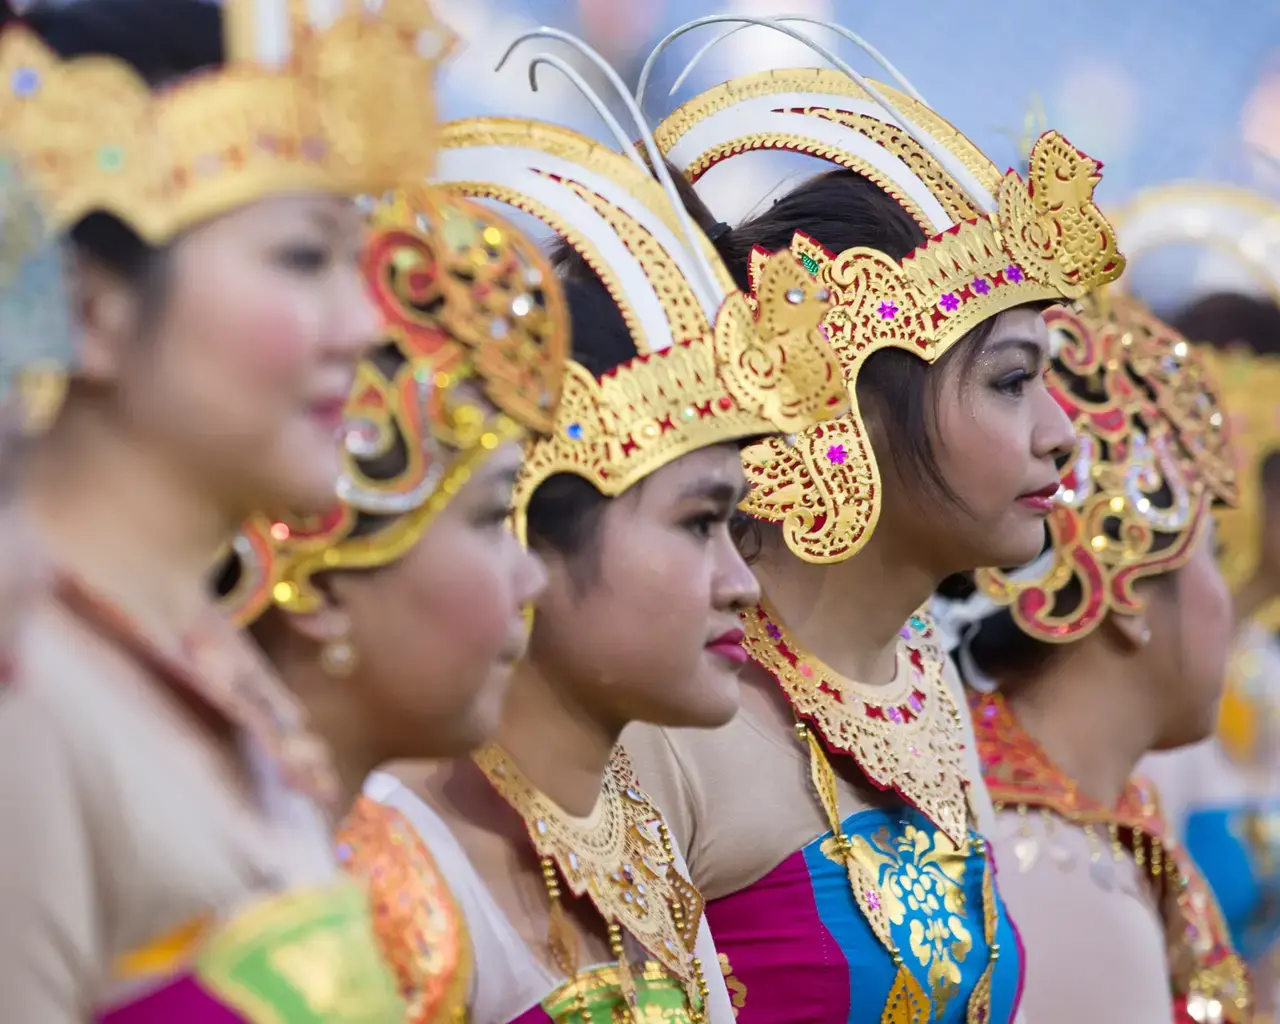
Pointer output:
x,y
1159,89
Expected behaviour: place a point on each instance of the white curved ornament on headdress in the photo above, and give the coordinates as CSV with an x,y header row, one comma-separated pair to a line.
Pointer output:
x,y
1227,221
611,207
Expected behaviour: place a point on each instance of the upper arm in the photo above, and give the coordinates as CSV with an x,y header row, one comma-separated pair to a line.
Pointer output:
x,y
49,927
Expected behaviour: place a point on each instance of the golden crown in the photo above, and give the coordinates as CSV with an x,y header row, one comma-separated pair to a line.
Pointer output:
x,y
471,310
333,97
995,242
1154,452
705,371
40,343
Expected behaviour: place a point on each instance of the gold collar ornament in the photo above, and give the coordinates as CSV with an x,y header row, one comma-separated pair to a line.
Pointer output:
x,y
905,737
1246,227
1153,454
472,310
332,96
621,858
994,242
706,369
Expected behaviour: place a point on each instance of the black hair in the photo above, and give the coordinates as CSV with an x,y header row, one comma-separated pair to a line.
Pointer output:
x,y
163,40
1229,319
564,513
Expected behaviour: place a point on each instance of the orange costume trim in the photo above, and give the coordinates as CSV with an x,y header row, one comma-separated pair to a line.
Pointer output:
x,y
1204,967
419,926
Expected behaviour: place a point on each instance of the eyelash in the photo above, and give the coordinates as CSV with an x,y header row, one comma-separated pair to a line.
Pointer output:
x,y
304,259
1012,384
701,524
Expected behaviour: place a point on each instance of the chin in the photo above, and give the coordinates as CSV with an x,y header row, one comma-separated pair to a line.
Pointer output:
x,y
1016,545
711,702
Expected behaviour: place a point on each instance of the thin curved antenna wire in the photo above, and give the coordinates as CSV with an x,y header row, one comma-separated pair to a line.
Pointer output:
x,y
589,94
956,170
871,51
657,164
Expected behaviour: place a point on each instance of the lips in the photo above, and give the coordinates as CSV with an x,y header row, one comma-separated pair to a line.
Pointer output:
x,y
1042,500
328,412
728,645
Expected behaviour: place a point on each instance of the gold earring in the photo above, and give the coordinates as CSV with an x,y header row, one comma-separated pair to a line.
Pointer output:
x,y
338,657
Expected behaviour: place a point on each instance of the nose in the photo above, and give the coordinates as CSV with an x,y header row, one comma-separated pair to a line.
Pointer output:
x,y
1053,436
735,586
531,575
355,325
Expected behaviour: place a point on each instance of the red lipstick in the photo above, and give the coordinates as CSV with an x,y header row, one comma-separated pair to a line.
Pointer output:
x,y
728,645
1040,501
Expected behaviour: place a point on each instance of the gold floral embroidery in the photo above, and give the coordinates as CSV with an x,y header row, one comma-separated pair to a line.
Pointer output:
x,y
920,876
737,990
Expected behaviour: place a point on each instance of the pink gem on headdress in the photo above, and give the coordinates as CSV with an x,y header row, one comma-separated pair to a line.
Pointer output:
x,y
1013,273
887,311
895,716
981,286
949,302
873,899
806,671
837,454
773,631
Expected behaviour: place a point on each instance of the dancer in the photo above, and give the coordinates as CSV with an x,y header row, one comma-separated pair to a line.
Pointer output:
x,y
167,854
835,825
1223,796
396,616
577,902
1112,644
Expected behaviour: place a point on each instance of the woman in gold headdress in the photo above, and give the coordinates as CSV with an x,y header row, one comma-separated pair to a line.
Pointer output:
x,y
167,852
836,825
396,615
578,904
1223,796
1113,643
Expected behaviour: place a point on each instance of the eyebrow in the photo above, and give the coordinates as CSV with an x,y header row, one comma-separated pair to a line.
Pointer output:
x,y
1032,348
720,491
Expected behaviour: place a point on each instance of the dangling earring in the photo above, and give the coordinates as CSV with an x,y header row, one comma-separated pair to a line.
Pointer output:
x,y
338,657
1144,637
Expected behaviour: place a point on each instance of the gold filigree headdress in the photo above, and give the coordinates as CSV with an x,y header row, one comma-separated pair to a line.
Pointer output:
x,y
324,95
38,337
1245,227
472,310
994,242
1154,453
706,371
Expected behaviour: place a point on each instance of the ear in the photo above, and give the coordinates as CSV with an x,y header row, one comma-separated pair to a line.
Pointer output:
x,y
109,317
1134,631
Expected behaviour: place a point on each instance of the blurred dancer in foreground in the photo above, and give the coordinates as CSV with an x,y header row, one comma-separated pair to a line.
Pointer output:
x,y
836,825
167,852
1113,643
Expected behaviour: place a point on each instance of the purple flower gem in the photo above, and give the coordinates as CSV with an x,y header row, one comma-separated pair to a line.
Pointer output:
x,y
915,702
25,83
1013,273
873,899
981,286
905,633
887,311
895,716
837,454
949,302
773,631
